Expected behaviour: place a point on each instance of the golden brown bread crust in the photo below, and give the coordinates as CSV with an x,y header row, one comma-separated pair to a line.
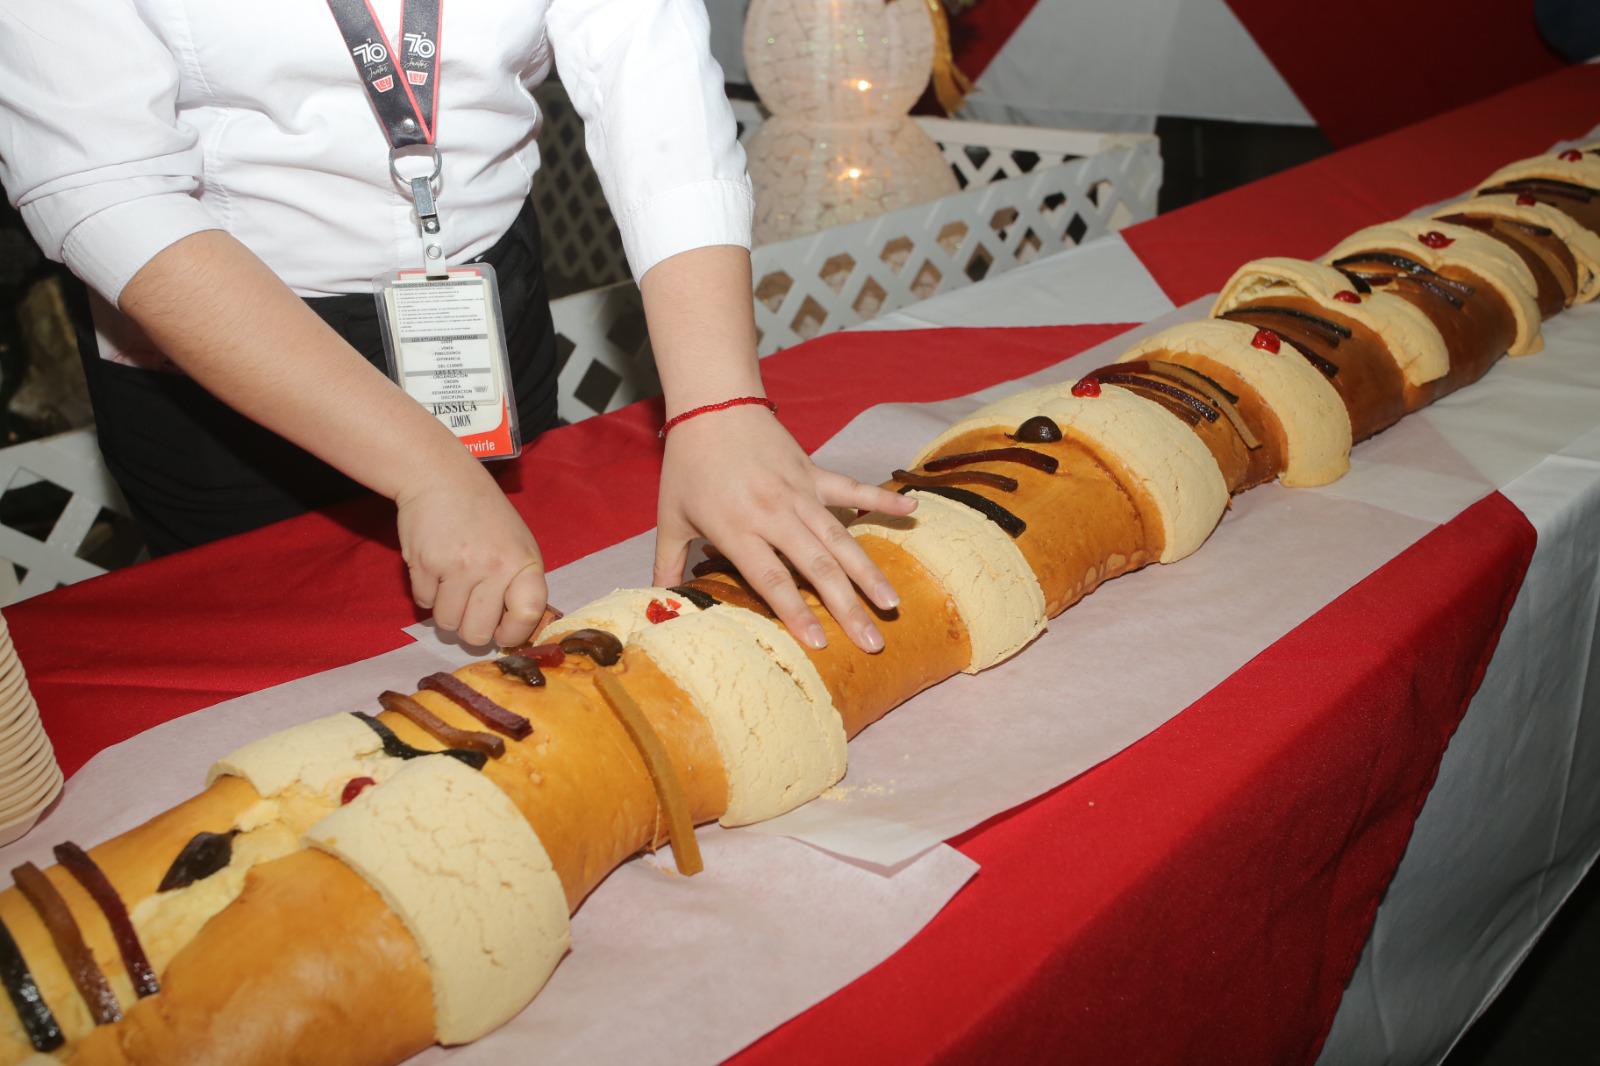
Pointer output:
x,y
135,862
1112,529
308,967
1475,334
924,638
1547,257
1370,383
1262,464
1584,211
577,778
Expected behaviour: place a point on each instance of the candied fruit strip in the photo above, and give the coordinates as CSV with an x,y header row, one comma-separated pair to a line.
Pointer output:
x,y
68,939
1025,456
439,729
1214,393
477,704
44,1032
957,477
982,504
663,775
87,872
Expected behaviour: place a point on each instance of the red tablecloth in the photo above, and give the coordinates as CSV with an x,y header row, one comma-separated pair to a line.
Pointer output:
x,y
1200,897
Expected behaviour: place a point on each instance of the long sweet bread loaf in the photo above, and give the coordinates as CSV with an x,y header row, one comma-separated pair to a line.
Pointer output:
x,y
359,887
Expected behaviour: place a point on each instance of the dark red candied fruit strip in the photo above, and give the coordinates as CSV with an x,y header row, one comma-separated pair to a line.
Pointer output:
x,y
957,477
438,728
1183,376
1145,390
87,872
68,938
982,504
1025,456
1183,396
477,704
1334,332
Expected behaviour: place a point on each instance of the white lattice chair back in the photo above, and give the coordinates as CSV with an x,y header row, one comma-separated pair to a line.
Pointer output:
x,y
67,469
1026,193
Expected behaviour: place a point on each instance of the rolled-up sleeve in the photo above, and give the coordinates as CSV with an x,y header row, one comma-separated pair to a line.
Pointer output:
x,y
91,150
657,123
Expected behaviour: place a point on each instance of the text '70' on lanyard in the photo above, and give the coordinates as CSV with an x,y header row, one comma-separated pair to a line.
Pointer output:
x,y
403,88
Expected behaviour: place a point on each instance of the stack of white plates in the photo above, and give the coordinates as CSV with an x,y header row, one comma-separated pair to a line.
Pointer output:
x,y
30,780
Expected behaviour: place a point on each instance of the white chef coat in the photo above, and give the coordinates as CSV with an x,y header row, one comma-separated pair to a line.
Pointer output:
x,y
126,125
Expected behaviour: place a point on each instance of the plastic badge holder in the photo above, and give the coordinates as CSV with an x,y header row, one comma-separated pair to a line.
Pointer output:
x,y
445,341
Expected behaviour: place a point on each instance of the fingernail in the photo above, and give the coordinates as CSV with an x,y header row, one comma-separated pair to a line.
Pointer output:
x,y
886,597
815,637
871,639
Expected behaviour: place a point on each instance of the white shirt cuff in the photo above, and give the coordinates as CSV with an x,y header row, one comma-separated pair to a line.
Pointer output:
x,y
689,216
108,248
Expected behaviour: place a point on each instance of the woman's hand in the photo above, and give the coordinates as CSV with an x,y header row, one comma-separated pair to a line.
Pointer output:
x,y
221,315
472,560
738,479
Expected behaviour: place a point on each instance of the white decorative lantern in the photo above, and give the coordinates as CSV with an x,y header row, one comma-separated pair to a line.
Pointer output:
x,y
839,77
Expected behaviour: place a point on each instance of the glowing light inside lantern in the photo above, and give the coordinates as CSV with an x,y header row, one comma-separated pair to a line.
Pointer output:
x,y
839,77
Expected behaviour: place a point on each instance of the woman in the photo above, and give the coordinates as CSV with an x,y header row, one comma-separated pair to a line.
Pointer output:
x,y
219,175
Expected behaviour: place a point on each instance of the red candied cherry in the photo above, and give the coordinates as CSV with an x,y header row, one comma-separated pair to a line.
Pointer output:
x,y
356,786
1571,155
1266,340
1086,387
1346,296
1434,239
658,612
1525,199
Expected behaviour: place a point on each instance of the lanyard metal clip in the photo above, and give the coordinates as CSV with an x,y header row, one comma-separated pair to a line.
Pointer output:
x,y
429,228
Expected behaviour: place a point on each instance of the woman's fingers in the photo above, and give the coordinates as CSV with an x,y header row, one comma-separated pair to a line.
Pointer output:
x,y
525,607
836,490
424,587
816,555
485,606
450,605
815,559
847,552
765,572
672,553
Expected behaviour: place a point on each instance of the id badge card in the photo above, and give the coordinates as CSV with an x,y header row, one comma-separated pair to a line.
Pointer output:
x,y
446,346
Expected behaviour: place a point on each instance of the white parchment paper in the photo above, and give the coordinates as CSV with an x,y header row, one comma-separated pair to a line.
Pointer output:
x,y
938,765
771,927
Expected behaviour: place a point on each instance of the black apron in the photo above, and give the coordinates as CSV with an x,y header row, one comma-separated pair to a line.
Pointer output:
x,y
194,470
